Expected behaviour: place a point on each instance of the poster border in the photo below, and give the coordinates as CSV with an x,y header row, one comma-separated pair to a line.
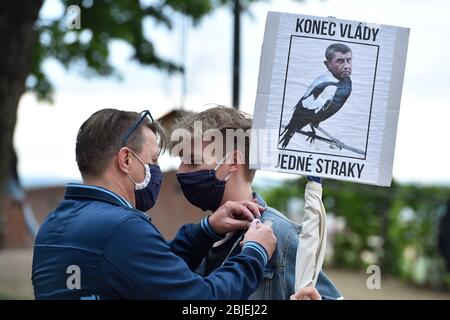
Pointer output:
x,y
371,100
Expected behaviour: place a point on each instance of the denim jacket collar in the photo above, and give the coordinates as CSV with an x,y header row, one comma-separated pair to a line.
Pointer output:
x,y
260,200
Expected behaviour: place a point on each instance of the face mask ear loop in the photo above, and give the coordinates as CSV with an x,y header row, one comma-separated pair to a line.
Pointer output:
x,y
228,176
147,172
221,162
135,183
134,153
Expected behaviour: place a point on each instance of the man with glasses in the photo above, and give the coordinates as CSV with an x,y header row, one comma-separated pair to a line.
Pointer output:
x,y
99,244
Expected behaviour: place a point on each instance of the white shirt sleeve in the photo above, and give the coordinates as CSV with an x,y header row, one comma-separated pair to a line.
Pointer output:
x,y
312,240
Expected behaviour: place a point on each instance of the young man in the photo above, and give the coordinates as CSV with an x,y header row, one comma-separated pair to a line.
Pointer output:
x,y
209,179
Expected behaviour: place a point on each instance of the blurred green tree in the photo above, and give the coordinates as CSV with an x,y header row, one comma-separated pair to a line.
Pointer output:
x,y
403,219
28,40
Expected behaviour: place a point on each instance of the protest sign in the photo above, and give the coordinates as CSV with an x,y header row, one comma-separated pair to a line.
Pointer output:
x,y
328,97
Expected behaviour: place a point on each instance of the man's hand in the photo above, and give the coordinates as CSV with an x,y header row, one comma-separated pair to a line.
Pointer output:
x,y
232,216
262,234
306,293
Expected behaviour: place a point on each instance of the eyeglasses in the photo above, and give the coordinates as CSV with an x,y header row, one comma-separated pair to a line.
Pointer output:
x,y
144,115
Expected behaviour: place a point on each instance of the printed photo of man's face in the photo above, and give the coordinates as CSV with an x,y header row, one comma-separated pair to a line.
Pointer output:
x,y
339,61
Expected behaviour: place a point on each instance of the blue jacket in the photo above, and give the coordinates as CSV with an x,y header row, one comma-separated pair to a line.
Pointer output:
x,y
96,246
279,274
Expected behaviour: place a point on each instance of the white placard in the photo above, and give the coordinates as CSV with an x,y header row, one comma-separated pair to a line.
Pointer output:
x,y
328,97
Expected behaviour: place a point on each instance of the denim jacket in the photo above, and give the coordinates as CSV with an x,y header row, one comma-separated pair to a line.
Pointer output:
x,y
279,274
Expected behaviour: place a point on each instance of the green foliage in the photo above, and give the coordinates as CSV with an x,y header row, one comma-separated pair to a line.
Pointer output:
x,y
103,21
404,217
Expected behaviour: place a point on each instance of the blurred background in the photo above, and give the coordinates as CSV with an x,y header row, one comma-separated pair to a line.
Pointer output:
x,y
63,60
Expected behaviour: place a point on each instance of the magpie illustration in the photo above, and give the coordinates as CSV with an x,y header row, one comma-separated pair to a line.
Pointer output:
x,y
322,100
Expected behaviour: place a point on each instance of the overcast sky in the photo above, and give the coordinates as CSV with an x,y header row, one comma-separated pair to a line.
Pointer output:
x,y
45,134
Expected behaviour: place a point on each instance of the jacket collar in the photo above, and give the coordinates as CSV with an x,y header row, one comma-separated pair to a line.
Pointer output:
x,y
81,191
260,200
238,234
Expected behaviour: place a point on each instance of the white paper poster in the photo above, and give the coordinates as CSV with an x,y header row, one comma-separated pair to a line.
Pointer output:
x,y
328,97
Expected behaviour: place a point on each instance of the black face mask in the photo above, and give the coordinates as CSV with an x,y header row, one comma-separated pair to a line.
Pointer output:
x,y
202,188
146,198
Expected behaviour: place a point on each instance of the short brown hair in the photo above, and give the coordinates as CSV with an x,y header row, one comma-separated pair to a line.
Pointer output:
x,y
101,136
223,118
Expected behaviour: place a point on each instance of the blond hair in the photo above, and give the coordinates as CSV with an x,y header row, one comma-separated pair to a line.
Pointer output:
x,y
223,118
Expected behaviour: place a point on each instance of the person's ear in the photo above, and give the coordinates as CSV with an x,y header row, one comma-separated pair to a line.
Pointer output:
x,y
325,62
124,160
238,159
